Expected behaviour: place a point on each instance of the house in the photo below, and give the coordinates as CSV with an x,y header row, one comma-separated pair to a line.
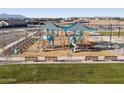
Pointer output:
x,y
3,23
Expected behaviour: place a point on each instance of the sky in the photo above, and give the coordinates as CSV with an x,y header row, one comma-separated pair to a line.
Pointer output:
x,y
65,12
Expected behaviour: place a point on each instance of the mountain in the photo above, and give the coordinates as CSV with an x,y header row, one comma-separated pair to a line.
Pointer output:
x,y
11,16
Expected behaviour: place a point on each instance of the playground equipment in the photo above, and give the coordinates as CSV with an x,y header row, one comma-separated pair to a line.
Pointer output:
x,y
47,37
75,34
90,44
47,40
72,41
37,37
79,35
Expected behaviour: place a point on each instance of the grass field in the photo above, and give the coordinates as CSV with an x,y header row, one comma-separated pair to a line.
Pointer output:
x,y
62,73
113,33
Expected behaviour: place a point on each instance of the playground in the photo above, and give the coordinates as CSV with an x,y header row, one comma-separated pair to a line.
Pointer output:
x,y
71,40
59,51
76,40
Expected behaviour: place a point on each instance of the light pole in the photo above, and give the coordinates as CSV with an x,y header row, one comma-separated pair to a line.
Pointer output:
x,y
119,28
110,28
2,43
111,35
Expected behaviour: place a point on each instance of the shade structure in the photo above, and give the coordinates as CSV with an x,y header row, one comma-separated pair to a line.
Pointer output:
x,y
79,27
50,26
50,29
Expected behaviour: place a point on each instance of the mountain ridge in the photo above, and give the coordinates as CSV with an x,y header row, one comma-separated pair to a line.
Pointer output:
x,y
4,15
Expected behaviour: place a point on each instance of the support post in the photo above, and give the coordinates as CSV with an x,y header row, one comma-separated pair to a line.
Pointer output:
x,y
62,40
111,35
83,40
42,39
119,29
52,39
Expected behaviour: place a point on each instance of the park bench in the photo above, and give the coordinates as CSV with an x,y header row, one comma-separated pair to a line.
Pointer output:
x,y
31,58
50,58
93,58
110,58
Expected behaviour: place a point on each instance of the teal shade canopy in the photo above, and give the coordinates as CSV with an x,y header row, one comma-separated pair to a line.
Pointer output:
x,y
51,27
79,27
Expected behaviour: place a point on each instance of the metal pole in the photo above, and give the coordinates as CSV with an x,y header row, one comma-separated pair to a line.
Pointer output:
x,y
3,42
83,42
42,45
62,40
53,36
111,35
119,29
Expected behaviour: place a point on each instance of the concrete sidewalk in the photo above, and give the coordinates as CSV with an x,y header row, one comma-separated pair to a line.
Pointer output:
x,y
84,62
60,60
14,43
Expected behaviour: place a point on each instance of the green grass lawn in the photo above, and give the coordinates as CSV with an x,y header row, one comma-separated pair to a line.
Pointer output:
x,y
114,33
62,73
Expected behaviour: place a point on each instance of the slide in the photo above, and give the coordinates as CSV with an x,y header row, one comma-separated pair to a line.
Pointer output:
x,y
46,41
73,42
90,44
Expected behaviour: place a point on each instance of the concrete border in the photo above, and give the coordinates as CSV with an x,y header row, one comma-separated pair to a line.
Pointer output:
x,y
60,60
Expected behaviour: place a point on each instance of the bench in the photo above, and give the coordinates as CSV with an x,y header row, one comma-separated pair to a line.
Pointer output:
x,y
51,58
93,58
111,58
31,58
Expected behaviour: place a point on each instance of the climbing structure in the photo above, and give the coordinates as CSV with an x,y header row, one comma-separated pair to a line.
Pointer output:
x,y
78,35
48,35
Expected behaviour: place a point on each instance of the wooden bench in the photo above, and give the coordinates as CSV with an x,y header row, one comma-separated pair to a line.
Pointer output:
x,y
31,58
93,58
111,58
51,58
